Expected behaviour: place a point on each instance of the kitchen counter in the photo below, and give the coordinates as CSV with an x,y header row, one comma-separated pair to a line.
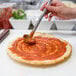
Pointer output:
x,y
8,67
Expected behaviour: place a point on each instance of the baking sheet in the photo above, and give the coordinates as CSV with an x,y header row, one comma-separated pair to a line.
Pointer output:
x,y
8,67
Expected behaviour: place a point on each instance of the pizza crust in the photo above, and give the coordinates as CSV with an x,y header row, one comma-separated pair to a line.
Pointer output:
x,y
44,62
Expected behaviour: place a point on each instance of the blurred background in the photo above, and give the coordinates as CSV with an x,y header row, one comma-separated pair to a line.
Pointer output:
x,y
29,4
31,8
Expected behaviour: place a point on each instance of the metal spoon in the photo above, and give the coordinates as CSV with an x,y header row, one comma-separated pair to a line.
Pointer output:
x,y
27,37
39,20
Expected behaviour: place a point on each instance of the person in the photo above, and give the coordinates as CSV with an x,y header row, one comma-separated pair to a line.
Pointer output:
x,y
57,8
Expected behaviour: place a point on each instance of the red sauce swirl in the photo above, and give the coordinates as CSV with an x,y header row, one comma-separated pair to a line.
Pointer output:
x,y
44,49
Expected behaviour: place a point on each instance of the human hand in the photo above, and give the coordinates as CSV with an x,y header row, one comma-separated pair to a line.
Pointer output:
x,y
57,8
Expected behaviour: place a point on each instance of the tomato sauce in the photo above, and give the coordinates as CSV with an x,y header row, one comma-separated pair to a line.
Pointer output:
x,y
5,15
44,49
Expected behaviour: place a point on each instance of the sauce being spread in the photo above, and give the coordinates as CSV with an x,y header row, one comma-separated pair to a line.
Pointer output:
x,y
44,49
29,40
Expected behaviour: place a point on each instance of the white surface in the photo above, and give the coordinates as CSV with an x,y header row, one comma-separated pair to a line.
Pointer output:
x,y
1,31
44,25
5,5
20,24
24,24
65,24
8,67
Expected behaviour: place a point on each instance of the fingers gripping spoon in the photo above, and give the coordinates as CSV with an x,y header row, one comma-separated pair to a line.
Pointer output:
x,y
28,38
39,20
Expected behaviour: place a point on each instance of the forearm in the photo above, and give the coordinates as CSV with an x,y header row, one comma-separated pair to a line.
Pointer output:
x,y
73,12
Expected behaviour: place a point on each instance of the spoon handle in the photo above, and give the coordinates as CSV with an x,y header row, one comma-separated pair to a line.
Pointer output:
x,y
39,20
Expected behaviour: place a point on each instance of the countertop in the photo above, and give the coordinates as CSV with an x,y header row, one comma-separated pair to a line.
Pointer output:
x,y
9,67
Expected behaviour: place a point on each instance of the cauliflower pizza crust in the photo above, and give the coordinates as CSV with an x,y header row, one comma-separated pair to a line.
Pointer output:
x,y
47,50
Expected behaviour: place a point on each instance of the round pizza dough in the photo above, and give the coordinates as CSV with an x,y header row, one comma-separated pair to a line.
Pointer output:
x,y
41,62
